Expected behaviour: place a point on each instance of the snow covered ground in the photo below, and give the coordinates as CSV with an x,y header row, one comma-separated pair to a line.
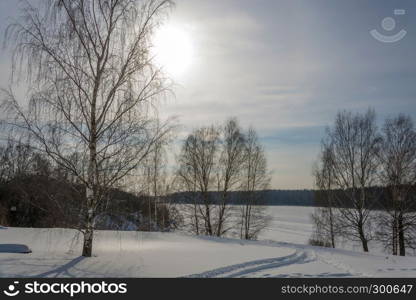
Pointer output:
x,y
288,224
282,253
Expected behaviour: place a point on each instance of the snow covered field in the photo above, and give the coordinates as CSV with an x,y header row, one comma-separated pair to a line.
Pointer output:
x,y
282,253
288,224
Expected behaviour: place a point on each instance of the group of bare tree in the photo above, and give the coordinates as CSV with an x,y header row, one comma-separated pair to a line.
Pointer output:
x,y
36,192
366,180
398,174
215,164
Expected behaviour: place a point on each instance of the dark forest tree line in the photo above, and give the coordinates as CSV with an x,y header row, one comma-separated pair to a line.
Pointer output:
x,y
35,192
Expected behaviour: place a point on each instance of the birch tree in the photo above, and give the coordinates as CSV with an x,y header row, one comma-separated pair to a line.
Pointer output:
x,y
91,83
355,147
324,218
255,181
197,173
398,161
230,166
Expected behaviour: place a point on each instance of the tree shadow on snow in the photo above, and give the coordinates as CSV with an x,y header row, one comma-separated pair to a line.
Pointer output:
x,y
62,270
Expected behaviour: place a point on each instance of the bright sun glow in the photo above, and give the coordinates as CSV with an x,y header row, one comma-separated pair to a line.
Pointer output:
x,y
173,50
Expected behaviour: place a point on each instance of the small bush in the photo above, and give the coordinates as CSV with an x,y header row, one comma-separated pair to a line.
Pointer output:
x,y
320,243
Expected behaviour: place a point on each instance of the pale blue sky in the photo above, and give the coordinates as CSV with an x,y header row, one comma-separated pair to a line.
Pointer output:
x,y
286,67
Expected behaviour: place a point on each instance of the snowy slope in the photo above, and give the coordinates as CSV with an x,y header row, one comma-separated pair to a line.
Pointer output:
x,y
283,252
132,254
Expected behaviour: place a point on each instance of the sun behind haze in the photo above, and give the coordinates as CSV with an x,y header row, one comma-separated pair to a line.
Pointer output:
x,y
173,49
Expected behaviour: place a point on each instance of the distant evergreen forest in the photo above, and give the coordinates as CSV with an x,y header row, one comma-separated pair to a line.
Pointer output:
x,y
270,197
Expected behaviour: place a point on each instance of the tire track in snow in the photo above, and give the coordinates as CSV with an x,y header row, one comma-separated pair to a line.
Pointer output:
x,y
251,267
